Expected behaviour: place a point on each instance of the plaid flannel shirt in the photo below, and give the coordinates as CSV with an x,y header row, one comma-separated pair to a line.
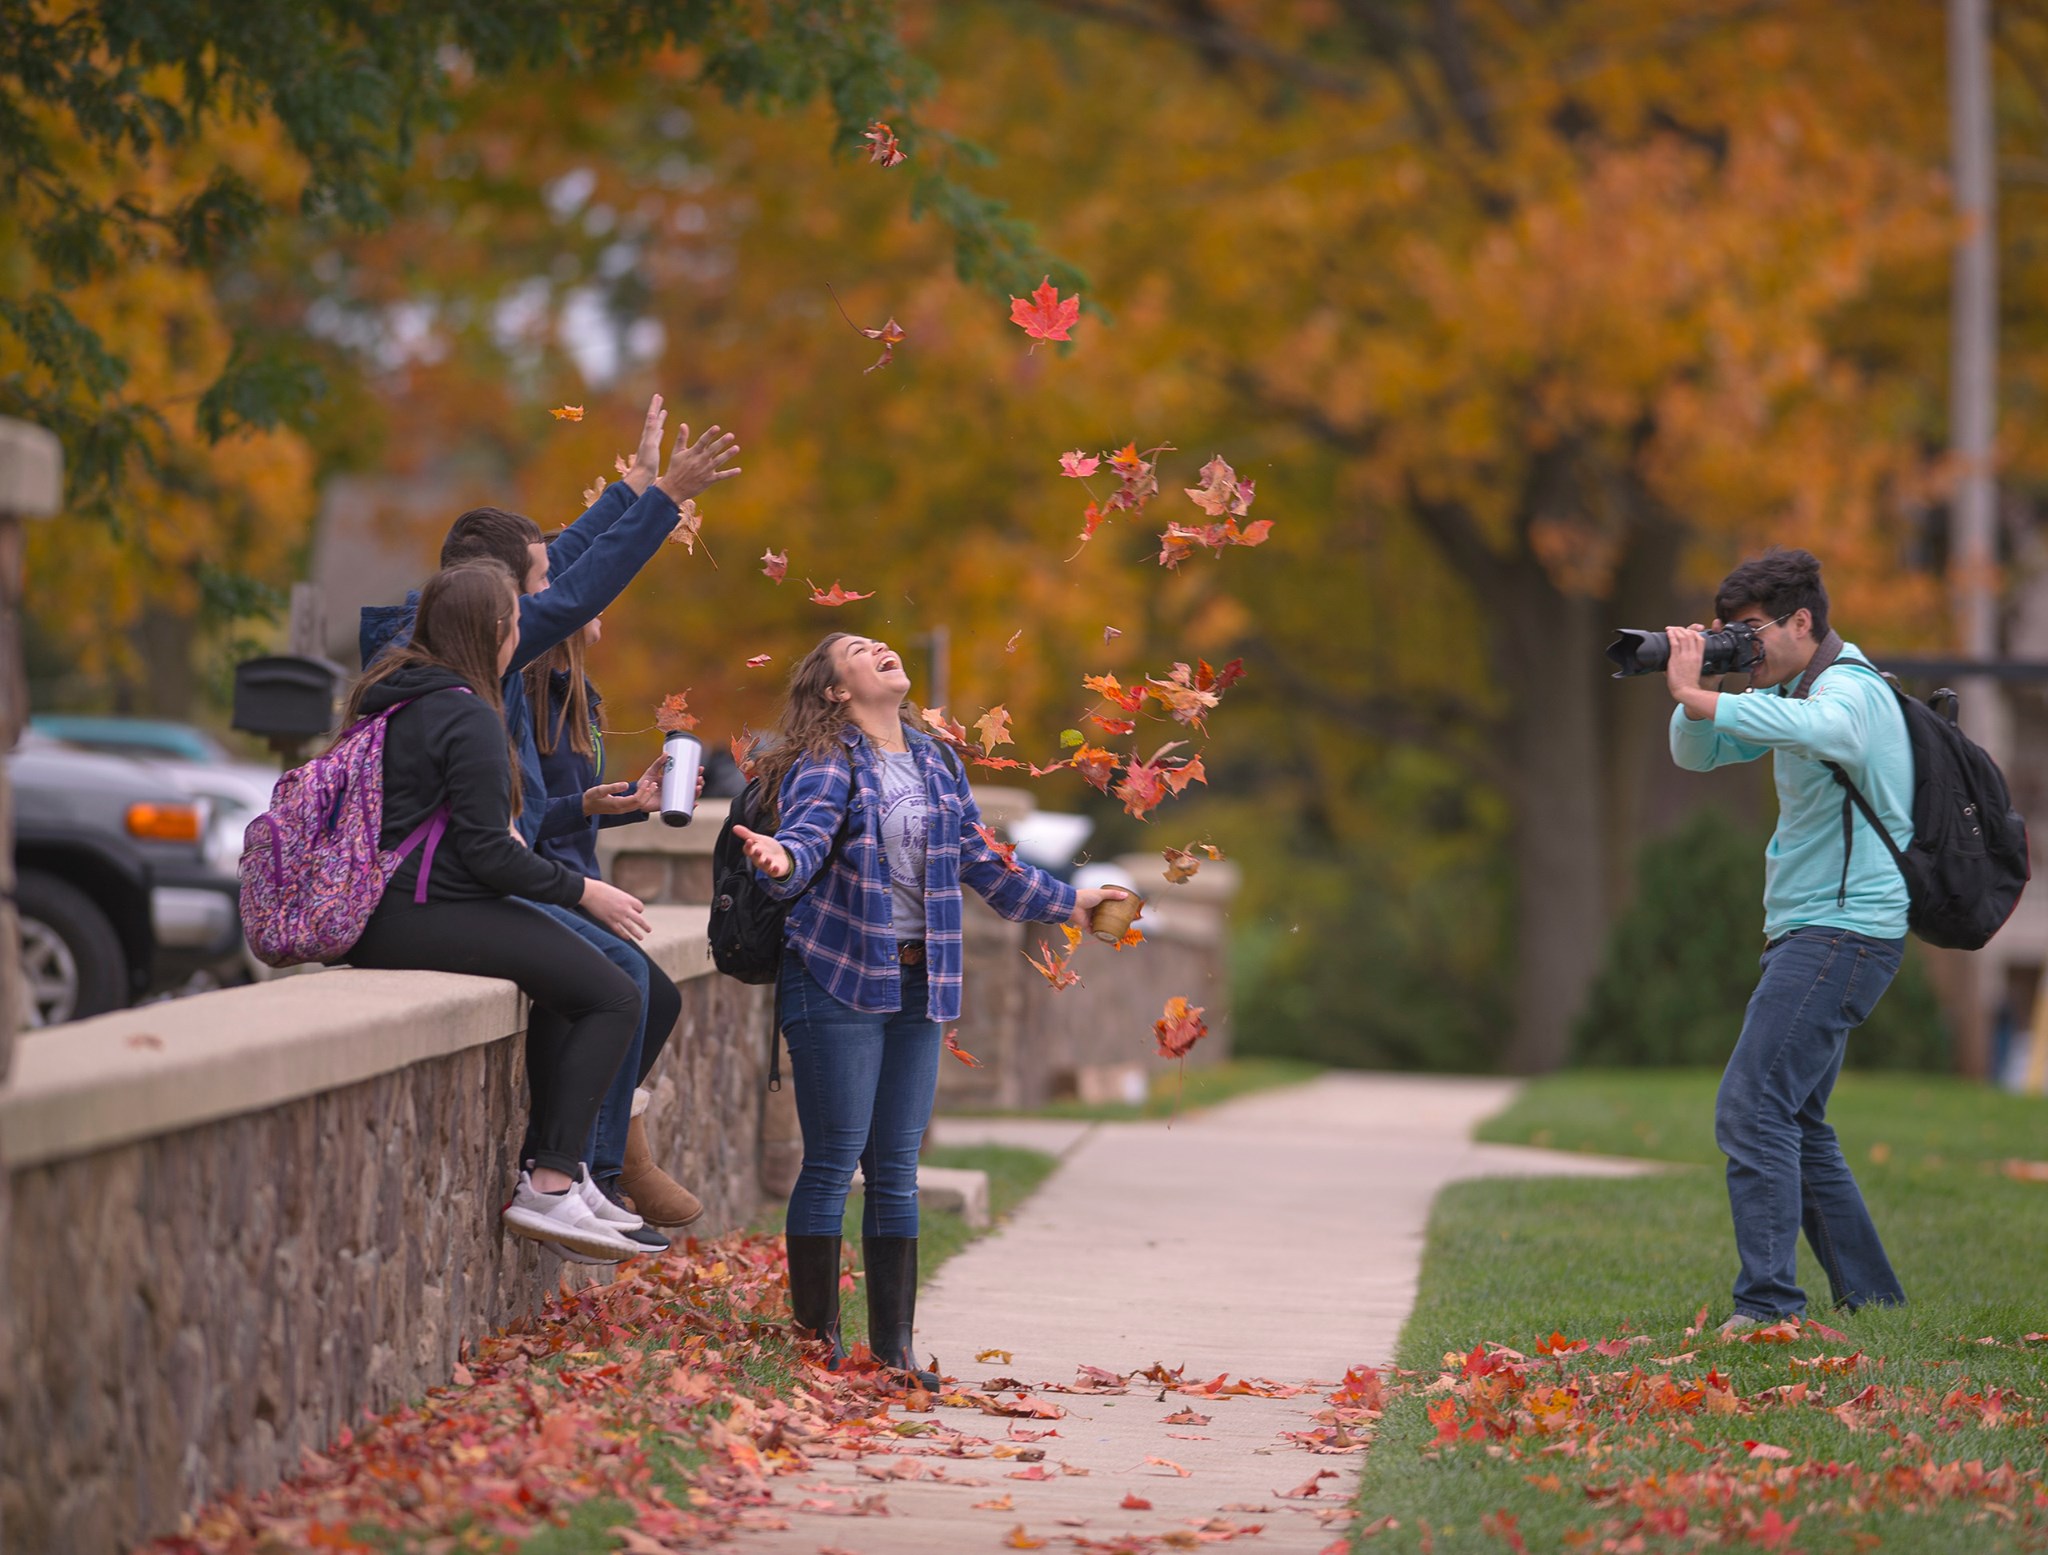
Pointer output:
x,y
843,926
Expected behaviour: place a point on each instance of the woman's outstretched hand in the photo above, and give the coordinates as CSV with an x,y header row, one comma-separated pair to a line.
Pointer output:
x,y
1086,901
765,853
647,457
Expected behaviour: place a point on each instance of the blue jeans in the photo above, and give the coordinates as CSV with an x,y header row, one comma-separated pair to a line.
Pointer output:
x,y
605,1150
1785,1168
864,1091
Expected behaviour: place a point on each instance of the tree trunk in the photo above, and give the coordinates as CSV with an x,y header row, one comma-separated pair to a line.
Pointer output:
x,y
1560,836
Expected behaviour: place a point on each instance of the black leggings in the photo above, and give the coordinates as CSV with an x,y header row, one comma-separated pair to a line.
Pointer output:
x,y
584,1012
664,1008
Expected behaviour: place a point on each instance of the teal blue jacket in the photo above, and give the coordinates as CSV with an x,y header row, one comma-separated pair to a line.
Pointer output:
x,y
1850,717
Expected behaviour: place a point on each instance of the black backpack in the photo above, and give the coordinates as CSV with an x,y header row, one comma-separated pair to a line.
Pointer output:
x,y
1967,863
746,922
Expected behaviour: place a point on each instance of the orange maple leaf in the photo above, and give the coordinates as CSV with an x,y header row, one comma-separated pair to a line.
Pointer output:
x,y
758,660
567,412
836,595
952,1045
994,727
1052,968
1111,690
891,334
1179,1028
1095,764
742,745
883,148
946,728
674,713
1004,851
1046,316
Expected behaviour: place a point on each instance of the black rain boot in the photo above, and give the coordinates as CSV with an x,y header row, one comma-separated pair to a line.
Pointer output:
x,y
814,1291
892,1306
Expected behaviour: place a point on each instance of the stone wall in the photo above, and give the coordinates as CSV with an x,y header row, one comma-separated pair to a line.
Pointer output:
x,y
242,1219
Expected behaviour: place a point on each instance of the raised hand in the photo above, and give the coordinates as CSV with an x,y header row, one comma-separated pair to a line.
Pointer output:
x,y
612,799
647,457
693,467
765,853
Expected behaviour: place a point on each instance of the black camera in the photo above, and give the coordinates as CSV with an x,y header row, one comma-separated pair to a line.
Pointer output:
x,y
1730,651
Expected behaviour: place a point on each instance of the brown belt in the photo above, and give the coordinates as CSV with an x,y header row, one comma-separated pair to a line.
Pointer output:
x,y
910,952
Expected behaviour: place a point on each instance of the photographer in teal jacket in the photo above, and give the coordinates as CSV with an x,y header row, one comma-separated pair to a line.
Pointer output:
x,y
1834,923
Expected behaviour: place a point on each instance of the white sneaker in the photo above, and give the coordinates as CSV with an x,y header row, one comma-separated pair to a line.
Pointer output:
x,y
565,1222
617,1216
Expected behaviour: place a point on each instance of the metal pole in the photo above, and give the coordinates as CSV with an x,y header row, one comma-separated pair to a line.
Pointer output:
x,y
1973,418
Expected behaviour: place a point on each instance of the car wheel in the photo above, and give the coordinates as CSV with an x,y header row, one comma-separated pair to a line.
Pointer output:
x,y
72,964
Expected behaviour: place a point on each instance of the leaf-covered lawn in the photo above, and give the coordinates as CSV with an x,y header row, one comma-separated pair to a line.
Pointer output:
x,y
1917,1429
641,1415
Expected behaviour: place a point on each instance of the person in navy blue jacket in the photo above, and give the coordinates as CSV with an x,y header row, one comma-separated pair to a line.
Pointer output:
x,y
569,732
563,588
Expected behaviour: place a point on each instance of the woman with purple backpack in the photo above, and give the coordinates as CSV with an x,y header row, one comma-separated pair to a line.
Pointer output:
x,y
446,754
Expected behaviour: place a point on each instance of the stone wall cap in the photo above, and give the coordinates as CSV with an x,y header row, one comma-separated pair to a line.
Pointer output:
x,y
102,1082
652,836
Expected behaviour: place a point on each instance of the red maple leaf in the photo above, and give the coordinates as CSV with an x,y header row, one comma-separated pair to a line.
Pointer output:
x,y
775,565
1221,493
1143,787
1228,676
1113,725
883,147
1046,316
952,1045
674,713
1003,763
758,660
1179,1028
836,595
1004,851
1133,1502
1137,484
1078,465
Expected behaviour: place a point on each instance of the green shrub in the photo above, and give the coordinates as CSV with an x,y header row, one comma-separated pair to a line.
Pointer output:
x,y
1681,963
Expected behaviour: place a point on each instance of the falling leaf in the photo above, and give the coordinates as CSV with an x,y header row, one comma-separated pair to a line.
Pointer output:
x,y
1168,1463
1179,1028
623,465
945,728
1133,1502
758,660
1046,316
1112,726
1137,481
1110,634
1004,851
1110,689
689,527
775,565
1015,638
1000,1357
567,412
594,490
1181,865
1069,738
1189,771
742,746
952,1045
994,727
883,148
1221,493
674,713
835,595
1074,935
1052,968
890,334
1095,764
1079,466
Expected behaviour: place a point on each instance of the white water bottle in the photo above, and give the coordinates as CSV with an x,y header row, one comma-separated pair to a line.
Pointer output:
x,y
685,754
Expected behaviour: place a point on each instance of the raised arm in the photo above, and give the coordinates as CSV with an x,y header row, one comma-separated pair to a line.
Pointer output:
x,y
1020,892
1835,722
617,497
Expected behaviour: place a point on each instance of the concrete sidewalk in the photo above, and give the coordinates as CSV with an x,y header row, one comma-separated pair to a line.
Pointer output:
x,y
1276,1237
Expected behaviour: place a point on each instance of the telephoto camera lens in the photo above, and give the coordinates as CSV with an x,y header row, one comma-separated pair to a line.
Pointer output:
x,y
1728,651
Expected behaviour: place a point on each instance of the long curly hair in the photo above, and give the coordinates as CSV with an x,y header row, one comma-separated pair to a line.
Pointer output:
x,y
811,725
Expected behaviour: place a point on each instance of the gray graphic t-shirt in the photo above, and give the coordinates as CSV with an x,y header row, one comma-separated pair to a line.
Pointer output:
x,y
904,820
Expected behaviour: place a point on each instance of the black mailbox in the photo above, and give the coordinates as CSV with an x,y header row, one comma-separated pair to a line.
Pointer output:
x,y
285,696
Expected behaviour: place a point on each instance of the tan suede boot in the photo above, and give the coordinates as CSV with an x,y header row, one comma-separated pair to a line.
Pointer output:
x,y
656,1197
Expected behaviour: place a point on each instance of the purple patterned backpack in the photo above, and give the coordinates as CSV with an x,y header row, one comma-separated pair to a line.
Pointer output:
x,y
312,872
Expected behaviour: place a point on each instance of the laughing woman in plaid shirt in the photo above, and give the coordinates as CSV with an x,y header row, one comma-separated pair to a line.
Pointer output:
x,y
876,832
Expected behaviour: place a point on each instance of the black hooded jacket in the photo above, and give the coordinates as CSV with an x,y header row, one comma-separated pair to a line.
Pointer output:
x,y
450,746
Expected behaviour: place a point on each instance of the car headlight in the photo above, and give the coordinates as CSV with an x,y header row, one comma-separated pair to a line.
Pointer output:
x,y
223,851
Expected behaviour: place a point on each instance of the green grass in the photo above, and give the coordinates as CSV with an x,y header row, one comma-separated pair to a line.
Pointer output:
x,y
1171,1093
1513,1260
